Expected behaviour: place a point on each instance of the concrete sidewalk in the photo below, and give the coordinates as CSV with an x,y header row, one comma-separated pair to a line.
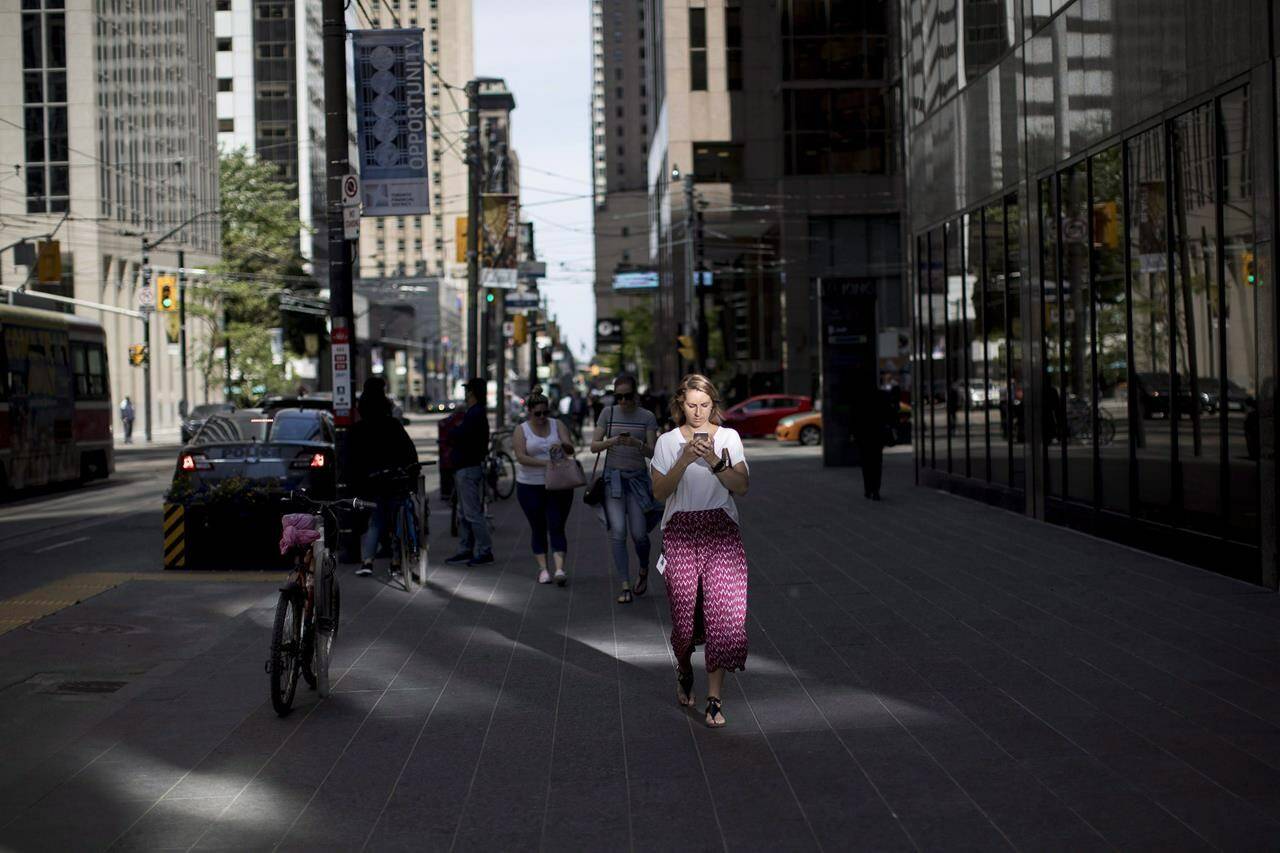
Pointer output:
x,y
925,673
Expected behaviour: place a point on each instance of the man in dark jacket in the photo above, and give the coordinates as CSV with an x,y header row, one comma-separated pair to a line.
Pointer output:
x,y
870,421
377,442
469,443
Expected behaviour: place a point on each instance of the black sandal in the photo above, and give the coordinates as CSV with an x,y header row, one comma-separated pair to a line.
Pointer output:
x,y
624,597
684,687
713,711
642,583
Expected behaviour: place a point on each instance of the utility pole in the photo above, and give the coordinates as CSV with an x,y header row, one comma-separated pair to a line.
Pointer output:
x,y
184,406
474,166
341,310
533,348
699,246
500,367
146,341
690,320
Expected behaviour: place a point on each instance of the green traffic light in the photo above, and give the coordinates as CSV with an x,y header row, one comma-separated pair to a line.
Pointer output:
x,y
488,297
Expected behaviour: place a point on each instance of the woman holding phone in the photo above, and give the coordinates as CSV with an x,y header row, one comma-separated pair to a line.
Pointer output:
x,y
697,470
628,432
534,441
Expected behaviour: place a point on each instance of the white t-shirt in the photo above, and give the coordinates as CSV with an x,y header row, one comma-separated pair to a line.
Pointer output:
x,y
698,489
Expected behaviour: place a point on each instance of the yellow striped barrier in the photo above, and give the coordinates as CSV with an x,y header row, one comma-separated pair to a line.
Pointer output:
x,y
175,536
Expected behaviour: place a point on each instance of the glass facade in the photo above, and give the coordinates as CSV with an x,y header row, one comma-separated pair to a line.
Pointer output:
x,y
1095,327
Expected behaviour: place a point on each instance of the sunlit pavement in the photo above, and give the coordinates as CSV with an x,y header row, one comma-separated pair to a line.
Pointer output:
x,y
925,673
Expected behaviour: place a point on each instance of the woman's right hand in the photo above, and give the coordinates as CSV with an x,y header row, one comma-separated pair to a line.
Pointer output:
x,y
692,452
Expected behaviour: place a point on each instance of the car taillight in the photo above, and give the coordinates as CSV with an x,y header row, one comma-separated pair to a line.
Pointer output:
x,y
315,460
194,462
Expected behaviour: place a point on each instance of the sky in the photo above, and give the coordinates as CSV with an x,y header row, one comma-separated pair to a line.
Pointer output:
x,y
543,50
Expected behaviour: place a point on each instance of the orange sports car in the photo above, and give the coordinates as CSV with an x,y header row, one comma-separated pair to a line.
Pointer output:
x,y
804,427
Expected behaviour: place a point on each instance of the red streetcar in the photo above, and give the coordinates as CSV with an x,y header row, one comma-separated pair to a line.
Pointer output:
x,y
55,399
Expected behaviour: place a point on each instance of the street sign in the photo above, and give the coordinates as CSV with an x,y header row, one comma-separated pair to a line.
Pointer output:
x,y
351,207
608,330
509,329
146,298
521,301
340,349
49,262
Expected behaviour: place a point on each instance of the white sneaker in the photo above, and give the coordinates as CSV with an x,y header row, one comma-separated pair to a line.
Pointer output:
x,y
561,577
365,570
544,576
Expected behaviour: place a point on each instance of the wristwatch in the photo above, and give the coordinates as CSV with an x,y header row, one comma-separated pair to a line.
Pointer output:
x,y
721,465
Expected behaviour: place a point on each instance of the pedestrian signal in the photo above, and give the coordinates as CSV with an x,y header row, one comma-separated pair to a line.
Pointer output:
x,y
688,349
173,329
521,324
137,354
166,293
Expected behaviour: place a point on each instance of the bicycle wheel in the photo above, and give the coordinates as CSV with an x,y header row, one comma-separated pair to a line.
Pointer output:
x,y
324,638
504,483
286,647
1106,429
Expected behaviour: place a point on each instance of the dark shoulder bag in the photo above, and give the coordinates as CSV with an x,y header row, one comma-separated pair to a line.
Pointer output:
x,y
594,495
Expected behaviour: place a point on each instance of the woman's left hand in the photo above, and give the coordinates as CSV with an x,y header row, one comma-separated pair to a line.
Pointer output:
x,y
569,449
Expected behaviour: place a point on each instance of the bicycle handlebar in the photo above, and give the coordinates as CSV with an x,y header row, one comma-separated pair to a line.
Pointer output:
x,y
303,497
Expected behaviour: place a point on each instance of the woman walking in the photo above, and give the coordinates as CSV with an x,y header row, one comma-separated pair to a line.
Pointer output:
x,y
534,441
629,434
697,469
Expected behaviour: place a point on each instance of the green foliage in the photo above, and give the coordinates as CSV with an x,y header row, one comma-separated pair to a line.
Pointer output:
x,y
637,341
260,253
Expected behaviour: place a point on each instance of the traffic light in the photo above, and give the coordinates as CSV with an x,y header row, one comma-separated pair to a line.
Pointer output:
x,y
137,355
520,324
688,349
488,297
1250,269
166,293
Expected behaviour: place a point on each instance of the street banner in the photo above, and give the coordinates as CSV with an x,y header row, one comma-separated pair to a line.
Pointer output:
x,y
391,121
499,241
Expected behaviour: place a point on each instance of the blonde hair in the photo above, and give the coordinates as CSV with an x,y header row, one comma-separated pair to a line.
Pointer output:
x,y
696,382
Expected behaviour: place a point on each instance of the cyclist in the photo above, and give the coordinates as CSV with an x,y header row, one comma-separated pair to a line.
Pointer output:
x,y
377,442
470,445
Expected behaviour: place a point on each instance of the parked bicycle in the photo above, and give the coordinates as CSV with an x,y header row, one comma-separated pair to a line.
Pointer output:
x,y
309,606
1079,426
412,522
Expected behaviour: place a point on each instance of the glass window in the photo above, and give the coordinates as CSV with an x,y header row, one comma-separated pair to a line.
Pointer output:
x,y
733,47
937,346
957,344
296,427
698,49
987,31
1149,332
989,310
716,162
1051,402
836,131
1013,352
1112,335
1246,309
919,370
1196,374
1075,318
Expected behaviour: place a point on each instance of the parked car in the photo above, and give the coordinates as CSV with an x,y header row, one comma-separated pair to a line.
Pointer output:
x,y
804,427
230,479
981,395
321,401
1154,394
759,416
1237,397
197,417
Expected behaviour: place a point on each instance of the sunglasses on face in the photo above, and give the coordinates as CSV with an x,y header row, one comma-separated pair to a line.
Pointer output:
x,y
539,413
625,395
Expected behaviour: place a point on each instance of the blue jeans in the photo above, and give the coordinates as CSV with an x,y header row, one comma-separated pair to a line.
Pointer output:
x,y
625,512
547,512
381,522
474,529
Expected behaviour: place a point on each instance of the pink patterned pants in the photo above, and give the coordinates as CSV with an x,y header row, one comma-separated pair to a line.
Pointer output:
x,y
706,547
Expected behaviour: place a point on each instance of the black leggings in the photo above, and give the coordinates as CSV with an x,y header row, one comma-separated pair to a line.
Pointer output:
x,y
547,513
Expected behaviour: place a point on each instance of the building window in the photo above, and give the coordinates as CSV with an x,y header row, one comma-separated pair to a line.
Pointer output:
x,y
836,132
226,125
697,50
836,41
274,50
223,6
716,162
44,112
733,47
224,84
224,44
269,10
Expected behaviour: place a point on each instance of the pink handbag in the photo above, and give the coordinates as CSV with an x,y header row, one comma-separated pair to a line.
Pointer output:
x,y
564,473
